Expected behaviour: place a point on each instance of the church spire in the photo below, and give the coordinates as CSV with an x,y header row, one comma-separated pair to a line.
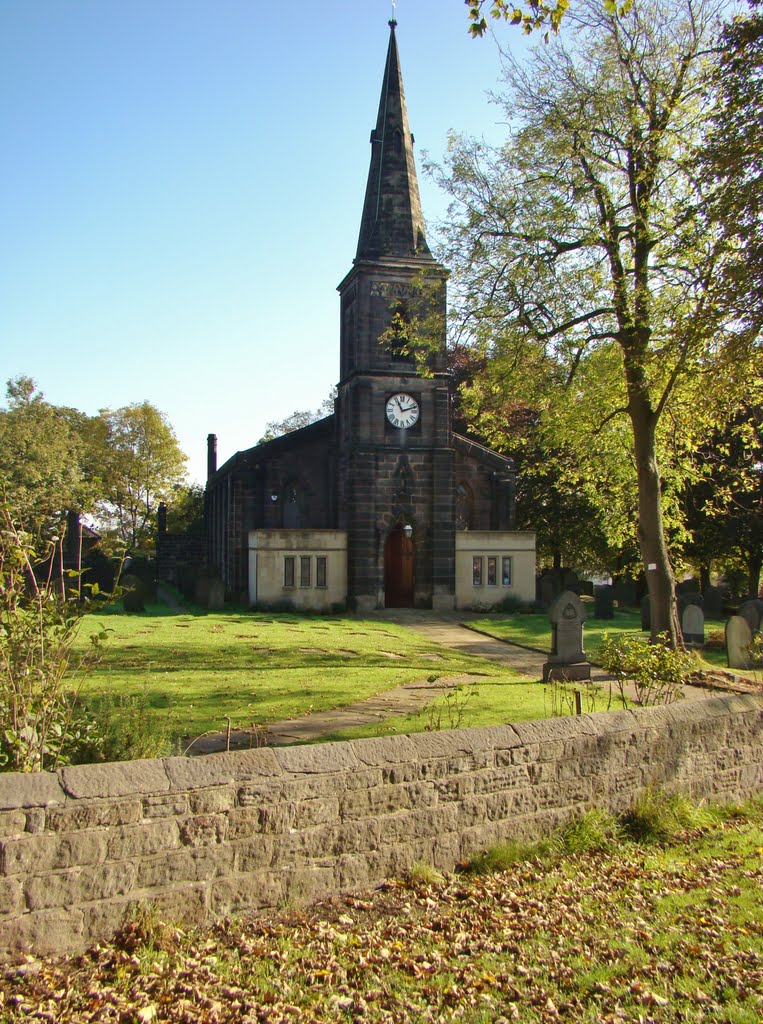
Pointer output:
x,y
392,223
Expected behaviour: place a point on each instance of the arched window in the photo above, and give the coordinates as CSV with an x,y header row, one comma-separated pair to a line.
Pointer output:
x,y
293,505
464,506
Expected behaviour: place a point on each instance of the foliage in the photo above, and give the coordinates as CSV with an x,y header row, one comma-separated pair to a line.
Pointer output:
x,y
43,723
585,272
565,697
657,671
185,509
731,164
450,711
298,419
128,729
724,504
657,816
40,469
142,464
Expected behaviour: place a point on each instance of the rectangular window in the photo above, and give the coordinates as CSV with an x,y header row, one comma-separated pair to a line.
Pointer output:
x,y
304,571
288,571
492,571
506,571
320,572
477,571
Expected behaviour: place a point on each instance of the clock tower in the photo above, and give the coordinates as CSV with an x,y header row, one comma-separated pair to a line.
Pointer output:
x,y
394,441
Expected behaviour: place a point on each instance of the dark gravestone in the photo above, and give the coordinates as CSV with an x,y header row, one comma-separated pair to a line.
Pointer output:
x,y
625,592
646,614
604,602
548,591
567,660
750,612
713,605
216,596
693,626
690,586
738,640
686,597
570,581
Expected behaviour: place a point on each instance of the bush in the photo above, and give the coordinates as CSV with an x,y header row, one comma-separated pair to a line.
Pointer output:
x,y
656,670
128,731
43,724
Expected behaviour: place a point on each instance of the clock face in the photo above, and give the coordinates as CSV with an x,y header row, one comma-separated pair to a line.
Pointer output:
x,y
402,410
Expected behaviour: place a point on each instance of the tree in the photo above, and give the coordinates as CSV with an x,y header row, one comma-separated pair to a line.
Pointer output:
x,y
298,419
583,266
536,14
733,168
142,463
40,450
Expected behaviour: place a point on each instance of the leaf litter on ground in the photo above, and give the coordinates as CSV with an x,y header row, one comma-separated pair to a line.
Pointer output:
x,y
647,934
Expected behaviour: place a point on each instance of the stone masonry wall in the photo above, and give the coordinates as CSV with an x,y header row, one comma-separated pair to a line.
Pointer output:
x,y
232,832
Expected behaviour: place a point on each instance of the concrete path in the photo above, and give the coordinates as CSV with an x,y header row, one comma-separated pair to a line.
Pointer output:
x,y
444,628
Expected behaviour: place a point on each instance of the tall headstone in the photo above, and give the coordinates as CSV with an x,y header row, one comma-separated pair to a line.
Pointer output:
x,y
687,597
548,590
693,626
625,592
216,595
604,602
567,660
713,606
738,640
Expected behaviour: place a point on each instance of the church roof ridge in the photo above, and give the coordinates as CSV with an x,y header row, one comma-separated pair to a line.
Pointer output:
x,y
392,223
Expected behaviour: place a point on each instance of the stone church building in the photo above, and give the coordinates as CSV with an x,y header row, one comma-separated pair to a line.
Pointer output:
x,y
380,504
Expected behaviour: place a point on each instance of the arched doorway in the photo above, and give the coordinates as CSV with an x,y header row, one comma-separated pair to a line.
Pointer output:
x,y
398,570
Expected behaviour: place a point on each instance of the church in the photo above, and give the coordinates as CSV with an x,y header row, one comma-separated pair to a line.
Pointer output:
x,y
380,504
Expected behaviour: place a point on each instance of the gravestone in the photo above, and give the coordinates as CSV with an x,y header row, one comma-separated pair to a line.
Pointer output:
x,y
216,596
625,592
685,598
738,640
548,590
751,614
604,602
201,591
690,586
570,581
693,626
713,605
567,660
646,614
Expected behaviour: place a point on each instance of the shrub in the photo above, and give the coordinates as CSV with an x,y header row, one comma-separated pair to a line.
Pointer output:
x,y
656,670
43,723
128,731
657,816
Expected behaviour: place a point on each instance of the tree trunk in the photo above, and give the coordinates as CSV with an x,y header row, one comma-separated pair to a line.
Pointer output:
x,y
754,565
651,533
704,577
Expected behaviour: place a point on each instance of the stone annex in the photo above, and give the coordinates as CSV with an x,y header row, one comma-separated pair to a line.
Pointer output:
x,y
380,504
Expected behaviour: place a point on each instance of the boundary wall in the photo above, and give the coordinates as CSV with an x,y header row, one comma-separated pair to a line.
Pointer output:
x,y
227,833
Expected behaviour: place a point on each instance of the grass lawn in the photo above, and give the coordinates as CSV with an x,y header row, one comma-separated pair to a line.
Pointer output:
x,y
659,933
200,668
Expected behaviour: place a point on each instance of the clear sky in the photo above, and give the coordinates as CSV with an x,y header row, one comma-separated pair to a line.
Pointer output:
x,y
181,185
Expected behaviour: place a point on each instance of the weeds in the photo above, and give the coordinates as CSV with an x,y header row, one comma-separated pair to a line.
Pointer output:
x,y
449,712
659,817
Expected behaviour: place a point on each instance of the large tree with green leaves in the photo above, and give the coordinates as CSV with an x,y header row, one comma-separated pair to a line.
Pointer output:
x,y
40,459
142,464
583,266
732,160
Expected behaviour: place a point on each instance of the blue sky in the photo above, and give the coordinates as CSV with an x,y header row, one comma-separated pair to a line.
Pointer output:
x,y
181,187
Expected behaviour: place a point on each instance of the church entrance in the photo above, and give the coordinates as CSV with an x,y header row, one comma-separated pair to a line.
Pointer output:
x,y
398,570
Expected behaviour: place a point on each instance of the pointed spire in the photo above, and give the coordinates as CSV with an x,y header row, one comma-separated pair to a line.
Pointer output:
x,y
392,223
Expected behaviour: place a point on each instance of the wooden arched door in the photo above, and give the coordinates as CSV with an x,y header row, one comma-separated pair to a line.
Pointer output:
x,y
398,570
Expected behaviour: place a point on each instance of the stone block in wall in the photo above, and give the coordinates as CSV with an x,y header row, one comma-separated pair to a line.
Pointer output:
x,y
74,817
11,893
254,854
172,805
185,773
216,800
34,854
317,759
115,779
30,789
78,885
203,830
383,751
143,840
386,800
45,931
12,823
306,813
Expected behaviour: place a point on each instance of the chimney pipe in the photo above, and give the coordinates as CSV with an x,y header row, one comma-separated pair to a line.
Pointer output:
x,y
211,455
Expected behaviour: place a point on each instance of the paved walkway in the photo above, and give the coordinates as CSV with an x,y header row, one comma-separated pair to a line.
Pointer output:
x,y
444,628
